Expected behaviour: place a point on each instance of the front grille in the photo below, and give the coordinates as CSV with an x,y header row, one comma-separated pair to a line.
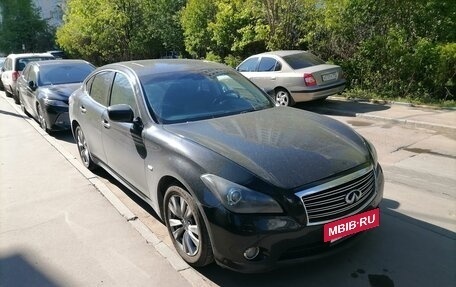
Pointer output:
x,y
329,204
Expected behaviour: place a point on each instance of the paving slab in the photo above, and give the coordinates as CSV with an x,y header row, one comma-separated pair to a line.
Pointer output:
x,y
57,229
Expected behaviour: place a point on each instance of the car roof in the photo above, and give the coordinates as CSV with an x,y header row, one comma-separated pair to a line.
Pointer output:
x,y
59,62
159,66
282,53
29,55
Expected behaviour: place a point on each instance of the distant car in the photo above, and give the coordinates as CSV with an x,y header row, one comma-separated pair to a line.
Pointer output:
x,y
2,60
234,177
44,88
57,54
12,69
293,76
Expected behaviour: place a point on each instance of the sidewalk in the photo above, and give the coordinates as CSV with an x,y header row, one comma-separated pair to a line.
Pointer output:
x,y
57,229
443,120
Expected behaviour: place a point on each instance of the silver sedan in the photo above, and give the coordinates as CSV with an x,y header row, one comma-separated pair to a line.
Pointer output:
x,y
293,76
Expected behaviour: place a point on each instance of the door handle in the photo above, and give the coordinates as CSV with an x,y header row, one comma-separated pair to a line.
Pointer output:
x,y
106,124
82,109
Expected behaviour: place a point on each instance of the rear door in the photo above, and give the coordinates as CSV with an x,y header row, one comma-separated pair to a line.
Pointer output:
x,y
123,142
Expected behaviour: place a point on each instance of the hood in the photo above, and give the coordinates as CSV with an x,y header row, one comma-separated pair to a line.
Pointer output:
x,y
60,92
286,147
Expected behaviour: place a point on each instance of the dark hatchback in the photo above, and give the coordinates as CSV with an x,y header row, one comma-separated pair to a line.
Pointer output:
x,y
229,172
45,86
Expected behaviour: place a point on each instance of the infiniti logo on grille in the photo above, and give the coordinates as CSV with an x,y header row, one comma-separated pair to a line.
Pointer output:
x,y
353,196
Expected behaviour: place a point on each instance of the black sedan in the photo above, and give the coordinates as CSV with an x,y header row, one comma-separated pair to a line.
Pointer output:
x,y
45,86
234,177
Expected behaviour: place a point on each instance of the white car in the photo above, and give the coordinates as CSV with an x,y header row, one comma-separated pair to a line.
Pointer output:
x,y
12,70
293,76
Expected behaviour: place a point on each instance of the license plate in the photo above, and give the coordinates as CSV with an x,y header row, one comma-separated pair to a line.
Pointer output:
x,y
329,77
338,229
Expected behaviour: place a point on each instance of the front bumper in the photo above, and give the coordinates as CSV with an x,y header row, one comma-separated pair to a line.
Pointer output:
x,y
57,118
281,239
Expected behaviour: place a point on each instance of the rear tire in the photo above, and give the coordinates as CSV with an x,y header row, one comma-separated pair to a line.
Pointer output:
x,y
283,98
186,227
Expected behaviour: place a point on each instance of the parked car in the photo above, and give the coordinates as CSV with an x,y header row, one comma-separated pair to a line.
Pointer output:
x,y
12,69
234,177
293,76
57,54
44,89
2,61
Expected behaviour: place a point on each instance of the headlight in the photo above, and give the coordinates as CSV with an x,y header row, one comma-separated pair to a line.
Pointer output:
x,y
55,103
372,151
238,198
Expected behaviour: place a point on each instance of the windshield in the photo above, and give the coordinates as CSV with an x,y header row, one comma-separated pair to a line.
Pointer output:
x,y
64,73
302,60
196,95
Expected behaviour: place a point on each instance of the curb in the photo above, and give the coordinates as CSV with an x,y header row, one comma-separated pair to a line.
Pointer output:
x,y
193,277
410,123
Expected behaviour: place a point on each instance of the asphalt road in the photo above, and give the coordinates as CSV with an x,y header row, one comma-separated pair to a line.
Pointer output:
x,y
415,244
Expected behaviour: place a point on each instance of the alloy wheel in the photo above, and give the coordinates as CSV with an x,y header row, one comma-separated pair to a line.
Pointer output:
x,y
282,98
183,225
82,147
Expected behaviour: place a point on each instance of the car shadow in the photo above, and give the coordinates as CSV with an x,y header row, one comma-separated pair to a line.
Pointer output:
x,y
10,114
138,200
65,136
340,108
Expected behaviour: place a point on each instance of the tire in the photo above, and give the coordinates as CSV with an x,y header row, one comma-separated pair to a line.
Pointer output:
x,y
186,227
16,98
8,94
283,98
42,119
21,102
83,149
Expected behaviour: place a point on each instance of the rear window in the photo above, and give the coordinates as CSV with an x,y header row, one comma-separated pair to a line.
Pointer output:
x,y
64,73
302,60
21,62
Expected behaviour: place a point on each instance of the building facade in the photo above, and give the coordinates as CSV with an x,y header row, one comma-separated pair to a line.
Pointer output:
x,y
51,10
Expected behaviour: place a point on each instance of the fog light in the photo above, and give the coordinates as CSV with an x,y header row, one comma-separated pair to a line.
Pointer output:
x,y
251,253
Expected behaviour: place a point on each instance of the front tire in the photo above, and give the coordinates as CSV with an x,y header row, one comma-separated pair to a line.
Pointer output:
x,y
21,102
41,118
186,227
83,149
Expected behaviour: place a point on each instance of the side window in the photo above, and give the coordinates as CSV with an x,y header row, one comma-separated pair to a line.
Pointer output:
x,y
267,65
249,65
8,64
100,87
122,92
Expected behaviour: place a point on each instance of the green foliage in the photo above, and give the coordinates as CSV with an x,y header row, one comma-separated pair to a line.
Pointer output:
x,y
104,31
390,48
21,25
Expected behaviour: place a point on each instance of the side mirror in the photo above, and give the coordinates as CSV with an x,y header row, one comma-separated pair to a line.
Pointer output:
x,y
32,85
121,113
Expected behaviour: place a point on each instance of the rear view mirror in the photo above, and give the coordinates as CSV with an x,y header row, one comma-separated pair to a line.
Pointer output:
x,y
121,113
32,85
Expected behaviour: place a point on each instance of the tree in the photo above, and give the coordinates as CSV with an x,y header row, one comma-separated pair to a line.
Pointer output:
x,y
195,19
22,29
104,31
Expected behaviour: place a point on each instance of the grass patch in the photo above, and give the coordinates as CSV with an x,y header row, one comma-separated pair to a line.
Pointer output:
x,y
359,94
